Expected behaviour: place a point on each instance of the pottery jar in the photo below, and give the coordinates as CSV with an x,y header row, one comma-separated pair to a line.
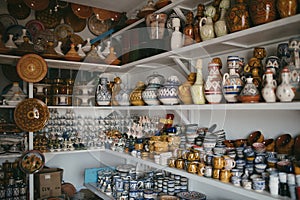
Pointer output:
x,y
268,91
213,91
150,94
103,94
287,8
284,91
168,94
206,24
249,94
238,17
232,85
262,11
136,95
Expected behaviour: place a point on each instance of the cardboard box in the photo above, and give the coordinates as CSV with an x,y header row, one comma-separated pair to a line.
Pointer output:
x,y
48,182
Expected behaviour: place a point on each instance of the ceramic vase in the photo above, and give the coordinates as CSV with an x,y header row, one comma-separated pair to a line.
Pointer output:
x,y
235,62
197,89
206,24
262,11
184,90
156,25
249,93
188,31
238,17
212,87
196,26
103,94
150,94
268,91
168,94
232,85
136,98
123,96
294,66
176,38
220,26
287,8
285,91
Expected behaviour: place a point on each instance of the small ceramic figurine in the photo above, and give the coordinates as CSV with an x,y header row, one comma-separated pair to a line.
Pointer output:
x,y
176,38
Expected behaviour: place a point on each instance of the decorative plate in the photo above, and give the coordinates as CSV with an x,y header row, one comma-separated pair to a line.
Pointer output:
x,y
49,18
75,22
32,161
7,20
103,14
81,11
31,115
32,68
37,5
34,27
18,10
62,31
98,27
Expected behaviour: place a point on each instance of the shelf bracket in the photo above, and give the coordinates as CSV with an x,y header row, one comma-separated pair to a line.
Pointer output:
x,y
179,62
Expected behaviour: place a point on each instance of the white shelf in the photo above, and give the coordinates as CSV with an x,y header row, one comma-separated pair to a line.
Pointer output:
x,y
223,106
50,155
8,155
269,33
200,179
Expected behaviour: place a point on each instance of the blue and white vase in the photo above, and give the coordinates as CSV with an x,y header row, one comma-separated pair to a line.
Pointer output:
x,y
168,94
103,94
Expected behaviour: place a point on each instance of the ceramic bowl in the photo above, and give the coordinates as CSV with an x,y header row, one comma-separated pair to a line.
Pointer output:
x,y
270,145
284,144
255,136
260,168
259,147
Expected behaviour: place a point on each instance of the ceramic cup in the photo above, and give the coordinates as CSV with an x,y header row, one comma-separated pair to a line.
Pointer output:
x,y
229,163
236,181
259,184
207,171
247,184
216,173
218,162
201,167
225,176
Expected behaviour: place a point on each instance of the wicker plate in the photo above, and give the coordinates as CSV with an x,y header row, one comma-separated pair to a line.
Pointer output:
x,y
81,11
32,68
31,115
75,22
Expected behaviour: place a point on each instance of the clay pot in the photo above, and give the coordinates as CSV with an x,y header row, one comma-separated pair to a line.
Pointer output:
x,y
262,11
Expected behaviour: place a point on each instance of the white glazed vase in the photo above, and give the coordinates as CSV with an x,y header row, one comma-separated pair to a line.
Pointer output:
x,y
207,30
176,38
268,91
284,91
220,25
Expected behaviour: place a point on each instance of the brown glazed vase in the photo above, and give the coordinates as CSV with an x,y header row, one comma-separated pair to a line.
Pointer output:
x,y
238,16
286,8
262,11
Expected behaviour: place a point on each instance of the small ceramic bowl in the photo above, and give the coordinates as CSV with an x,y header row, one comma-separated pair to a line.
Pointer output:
x,y
259,147
260,168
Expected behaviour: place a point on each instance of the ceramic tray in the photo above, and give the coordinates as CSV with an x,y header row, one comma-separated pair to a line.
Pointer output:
x,y
32,68
31,115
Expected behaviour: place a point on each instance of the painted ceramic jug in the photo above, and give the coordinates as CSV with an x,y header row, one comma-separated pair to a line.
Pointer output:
x,y
207,30
103,94
232,85
285,91
249,93
213,88
168,94
268,91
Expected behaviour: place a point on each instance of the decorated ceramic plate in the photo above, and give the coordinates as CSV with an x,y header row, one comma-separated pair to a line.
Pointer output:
x,y
32,161
32,68
75,22
49,18
103,14
37,5
7,20
34,27
31,115
98,27
62,31
81,11
18,10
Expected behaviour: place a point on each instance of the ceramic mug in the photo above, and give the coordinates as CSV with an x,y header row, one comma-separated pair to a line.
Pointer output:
x,y
201,167
229,163
259,184
225,175
207,171
218,162
179,163
216,173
